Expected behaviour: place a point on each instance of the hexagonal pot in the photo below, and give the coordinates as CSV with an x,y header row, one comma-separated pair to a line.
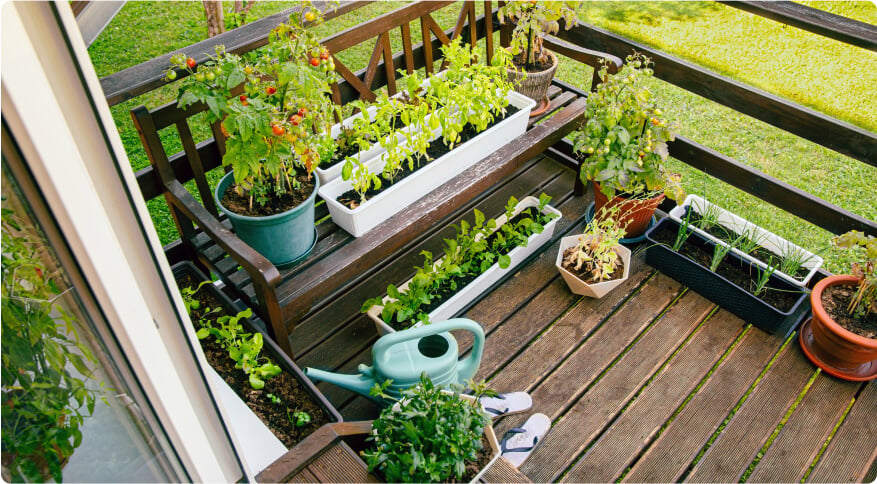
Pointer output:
x,y
582,288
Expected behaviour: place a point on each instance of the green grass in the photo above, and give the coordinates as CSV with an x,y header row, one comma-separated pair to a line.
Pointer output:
x,y
820,73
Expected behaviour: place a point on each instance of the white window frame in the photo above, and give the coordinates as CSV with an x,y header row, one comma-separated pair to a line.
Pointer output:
x,y
55,110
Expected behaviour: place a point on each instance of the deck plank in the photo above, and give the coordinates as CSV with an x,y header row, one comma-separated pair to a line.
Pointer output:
x,y
797,444
671,454
581,368
551,348
747,432
848,456
589,414
629,376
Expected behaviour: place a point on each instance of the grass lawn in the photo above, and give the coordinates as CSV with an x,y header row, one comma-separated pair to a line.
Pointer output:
x,y
822,74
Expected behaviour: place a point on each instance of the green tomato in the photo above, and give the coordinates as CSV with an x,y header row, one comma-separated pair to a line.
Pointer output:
x,y
171,75
210,76
199,76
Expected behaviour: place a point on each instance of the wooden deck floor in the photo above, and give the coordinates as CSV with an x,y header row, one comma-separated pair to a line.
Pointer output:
x,y
652,383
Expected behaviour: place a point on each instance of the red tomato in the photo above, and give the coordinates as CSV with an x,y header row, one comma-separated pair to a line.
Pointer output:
x,y
191,63
278,130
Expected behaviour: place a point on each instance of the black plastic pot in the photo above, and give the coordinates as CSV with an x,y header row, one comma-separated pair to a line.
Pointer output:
x,y
270,347
721,291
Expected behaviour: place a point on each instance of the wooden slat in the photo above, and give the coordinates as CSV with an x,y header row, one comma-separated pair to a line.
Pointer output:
x,y
737,446
848,455
589,414
814,20
611,453
796,446
426,42
340,464
388,63
149,75
384,23
353,80
197,167
837,135
671,454
503,471
372,67
539,359
488,34
406,48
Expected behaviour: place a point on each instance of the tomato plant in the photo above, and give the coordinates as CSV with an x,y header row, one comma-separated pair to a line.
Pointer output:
x,y
278,81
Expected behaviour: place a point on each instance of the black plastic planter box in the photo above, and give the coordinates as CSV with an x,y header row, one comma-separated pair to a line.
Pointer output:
x,y
721,291
270,347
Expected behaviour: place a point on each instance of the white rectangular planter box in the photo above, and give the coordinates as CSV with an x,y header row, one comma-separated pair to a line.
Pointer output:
x,y
494,273
766,239
330,173
392,200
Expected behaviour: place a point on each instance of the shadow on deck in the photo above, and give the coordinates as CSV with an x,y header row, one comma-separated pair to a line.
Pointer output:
x,y
652,383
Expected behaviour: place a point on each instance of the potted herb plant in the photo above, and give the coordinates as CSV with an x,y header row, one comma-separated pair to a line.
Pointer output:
x,y
432,435
744,288
534,66
793,263
623,144
595,262
275,111
46,395
479,256
841,338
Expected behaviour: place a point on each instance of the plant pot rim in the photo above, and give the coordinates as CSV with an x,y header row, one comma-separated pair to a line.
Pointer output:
x,y
217,196
820,312
554,63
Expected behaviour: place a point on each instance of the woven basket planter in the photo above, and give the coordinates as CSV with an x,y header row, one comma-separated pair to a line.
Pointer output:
x,y
534,84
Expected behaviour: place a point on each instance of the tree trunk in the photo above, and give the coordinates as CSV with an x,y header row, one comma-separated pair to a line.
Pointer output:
x,y
215,19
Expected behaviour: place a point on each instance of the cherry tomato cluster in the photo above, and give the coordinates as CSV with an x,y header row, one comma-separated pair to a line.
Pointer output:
x,y
323,60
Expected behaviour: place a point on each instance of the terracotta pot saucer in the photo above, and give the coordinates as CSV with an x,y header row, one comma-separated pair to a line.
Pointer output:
x,y
864,372
543,106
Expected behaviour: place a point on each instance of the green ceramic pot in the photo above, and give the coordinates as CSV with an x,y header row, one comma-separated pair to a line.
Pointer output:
x,y
284,238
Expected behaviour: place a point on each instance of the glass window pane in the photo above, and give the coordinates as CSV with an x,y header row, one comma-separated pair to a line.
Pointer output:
x,y
71,409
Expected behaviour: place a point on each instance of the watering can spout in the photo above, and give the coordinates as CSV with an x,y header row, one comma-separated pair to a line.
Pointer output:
x,y
361,383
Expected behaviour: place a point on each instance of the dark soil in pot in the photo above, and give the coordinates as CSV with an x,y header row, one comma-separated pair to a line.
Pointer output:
x,y
277,416
240,204
836,299
436,150
520,62
583,273
742,276
759,253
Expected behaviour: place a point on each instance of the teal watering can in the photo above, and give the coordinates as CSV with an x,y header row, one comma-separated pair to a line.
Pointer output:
x,y
404,355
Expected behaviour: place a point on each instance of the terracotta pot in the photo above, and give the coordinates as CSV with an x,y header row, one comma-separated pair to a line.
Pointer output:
x,y
838,352
638,212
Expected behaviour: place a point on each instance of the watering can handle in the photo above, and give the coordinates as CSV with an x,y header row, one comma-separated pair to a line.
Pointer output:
x,y
466,368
